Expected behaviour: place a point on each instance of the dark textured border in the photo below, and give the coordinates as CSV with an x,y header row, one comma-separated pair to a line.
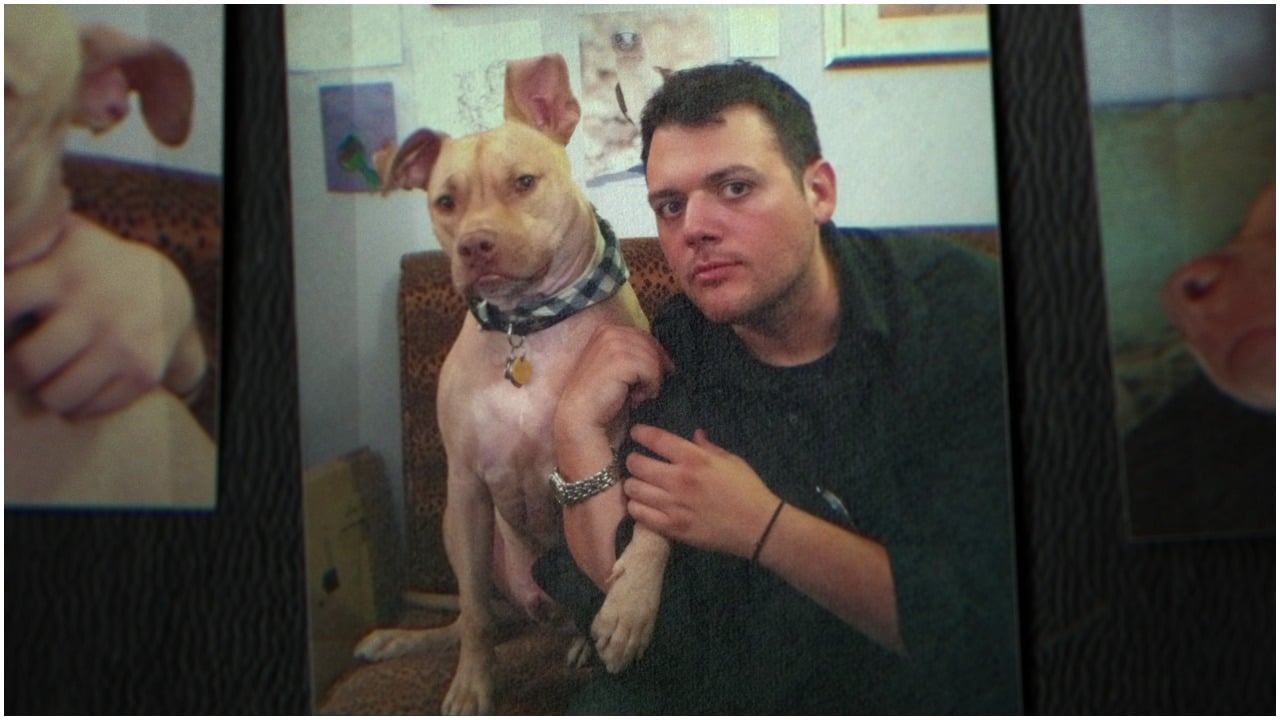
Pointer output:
x,y
205,612
1110,626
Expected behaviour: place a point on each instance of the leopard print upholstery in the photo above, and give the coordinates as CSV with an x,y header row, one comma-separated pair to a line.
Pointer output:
x,y
431,314
178,213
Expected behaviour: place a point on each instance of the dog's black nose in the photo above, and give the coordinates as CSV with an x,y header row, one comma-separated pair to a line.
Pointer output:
x,y
478,247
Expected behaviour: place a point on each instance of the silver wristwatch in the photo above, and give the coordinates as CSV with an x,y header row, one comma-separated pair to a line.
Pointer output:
x,y
567,493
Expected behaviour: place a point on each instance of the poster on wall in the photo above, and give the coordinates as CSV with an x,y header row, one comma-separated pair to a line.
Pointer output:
x,y
113,247
1185,166
438,322
358,121
625,58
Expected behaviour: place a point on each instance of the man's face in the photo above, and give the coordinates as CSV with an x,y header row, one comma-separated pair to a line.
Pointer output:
x,y
739,231
1224,303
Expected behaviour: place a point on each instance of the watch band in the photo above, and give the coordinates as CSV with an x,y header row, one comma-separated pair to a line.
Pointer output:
x,y
567,493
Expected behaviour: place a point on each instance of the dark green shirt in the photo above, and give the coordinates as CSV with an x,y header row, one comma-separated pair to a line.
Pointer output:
x,y
898,433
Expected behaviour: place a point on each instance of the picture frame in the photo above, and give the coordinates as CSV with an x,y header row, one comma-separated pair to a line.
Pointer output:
x,y
103,429
877,34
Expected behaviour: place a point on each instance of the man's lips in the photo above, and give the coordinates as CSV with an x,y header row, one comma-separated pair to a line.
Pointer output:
x,y
1254,348
710,271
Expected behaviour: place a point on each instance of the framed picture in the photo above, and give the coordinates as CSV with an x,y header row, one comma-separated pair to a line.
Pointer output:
x,y
122,416
1184,154
858,34
371,271
1178,614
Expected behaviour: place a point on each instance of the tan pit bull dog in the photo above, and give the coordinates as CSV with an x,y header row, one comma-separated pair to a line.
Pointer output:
x,y
541,273
134,442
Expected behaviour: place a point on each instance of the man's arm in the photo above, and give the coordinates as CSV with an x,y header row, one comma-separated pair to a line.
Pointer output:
x,y
705,496
620,368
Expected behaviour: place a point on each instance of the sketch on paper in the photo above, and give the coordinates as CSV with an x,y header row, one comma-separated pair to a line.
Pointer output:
x,y
625,58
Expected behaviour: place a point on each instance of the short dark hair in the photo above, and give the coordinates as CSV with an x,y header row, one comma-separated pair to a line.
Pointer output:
x,y
698,95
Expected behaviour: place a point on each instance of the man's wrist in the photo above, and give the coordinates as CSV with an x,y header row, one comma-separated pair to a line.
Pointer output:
x,y
581,449
568,492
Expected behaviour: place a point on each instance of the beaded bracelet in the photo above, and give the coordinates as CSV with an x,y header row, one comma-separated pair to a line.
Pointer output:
x,y
755,556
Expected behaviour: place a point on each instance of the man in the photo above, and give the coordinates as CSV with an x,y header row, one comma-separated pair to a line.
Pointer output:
x,y
819,429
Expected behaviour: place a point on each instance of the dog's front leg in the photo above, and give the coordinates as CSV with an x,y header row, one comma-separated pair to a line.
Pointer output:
x,y
468,536
624,626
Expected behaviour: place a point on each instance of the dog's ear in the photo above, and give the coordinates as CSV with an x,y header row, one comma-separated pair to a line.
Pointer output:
x,y
115,64
410,169
538,94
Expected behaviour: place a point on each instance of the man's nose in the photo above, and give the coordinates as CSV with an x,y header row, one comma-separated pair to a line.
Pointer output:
x,y
701,222
1192,289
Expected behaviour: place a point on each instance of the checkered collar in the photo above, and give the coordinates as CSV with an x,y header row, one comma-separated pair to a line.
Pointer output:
x,y
601,283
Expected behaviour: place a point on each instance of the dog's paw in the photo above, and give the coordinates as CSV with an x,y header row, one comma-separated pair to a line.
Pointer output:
x,y
471,691
389,643
624,626
580,652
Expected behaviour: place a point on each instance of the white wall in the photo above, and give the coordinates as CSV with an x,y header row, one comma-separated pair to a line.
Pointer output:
x,y
1155,53
196,32
912,145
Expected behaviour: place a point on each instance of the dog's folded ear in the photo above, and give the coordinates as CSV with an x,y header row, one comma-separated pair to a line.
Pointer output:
x,y
116,63
538,95
410,169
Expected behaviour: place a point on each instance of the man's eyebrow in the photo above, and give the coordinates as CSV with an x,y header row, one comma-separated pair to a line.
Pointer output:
x,y
719,176
714,177
659,195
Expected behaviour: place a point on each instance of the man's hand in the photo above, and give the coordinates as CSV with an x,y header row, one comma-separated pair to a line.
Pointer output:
x,y
620,368
705,496
113,319
699,494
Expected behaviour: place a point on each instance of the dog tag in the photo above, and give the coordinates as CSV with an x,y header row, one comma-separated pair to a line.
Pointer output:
x,y
519,370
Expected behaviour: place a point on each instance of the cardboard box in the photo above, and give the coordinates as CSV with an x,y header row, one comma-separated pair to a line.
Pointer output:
x,y
350,586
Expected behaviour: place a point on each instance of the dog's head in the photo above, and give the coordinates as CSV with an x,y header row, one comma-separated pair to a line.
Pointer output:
x,y
58,74
503,202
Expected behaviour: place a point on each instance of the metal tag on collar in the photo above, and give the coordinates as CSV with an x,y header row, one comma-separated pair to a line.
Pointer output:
x,y
518,370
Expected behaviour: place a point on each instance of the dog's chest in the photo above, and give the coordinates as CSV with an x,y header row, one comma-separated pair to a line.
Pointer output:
x,y
499,433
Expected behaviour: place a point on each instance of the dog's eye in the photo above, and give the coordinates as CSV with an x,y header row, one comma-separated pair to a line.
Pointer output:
x,y
525,182
445,202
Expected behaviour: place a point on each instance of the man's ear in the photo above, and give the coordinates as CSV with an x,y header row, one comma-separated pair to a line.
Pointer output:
x,y
820,190
538,95
115,64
